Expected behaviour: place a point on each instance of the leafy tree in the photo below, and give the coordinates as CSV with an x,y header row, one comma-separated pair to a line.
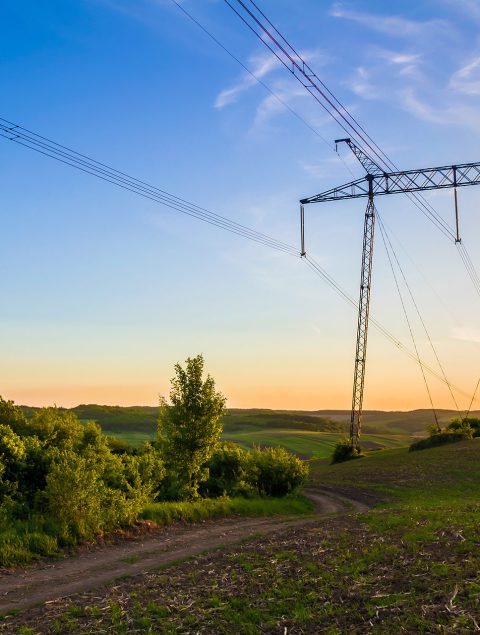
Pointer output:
x,y
11,415
55,427
12,460
189,426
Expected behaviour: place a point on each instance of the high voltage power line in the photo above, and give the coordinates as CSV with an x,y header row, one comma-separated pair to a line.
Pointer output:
x,y
338,289
59,152
432,214
376,162
410,329
390,250
253,75
52,149
417,199
259,24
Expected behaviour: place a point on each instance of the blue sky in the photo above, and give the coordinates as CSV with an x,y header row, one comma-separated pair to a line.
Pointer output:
x,y
103,291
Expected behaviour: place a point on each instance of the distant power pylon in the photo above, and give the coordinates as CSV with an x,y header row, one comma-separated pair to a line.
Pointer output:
x,y
377,182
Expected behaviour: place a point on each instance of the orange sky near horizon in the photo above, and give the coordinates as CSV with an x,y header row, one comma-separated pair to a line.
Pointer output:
x,y
380,394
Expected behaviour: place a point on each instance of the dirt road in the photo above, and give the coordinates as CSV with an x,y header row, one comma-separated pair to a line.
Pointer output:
x,y
24,588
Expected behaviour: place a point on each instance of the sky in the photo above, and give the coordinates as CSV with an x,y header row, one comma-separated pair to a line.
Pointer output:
x,y
103,291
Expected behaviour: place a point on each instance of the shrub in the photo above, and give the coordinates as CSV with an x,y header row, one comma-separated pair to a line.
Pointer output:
x,y
440,439
74,495
119,446
173,489
54,427
275,472
227,471
469,425
345,451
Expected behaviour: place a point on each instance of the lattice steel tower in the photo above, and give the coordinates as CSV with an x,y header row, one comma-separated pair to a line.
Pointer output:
x,y
377,182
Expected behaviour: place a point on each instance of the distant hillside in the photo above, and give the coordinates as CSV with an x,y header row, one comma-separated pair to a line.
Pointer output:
x,y
242,420
119,418
114,418
144,419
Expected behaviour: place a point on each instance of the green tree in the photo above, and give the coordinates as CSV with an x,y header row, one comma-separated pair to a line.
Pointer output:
x,y
189,426
227,471
11,415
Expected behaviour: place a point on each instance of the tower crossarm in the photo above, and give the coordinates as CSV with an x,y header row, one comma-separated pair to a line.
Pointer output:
x,y
401,182
369,165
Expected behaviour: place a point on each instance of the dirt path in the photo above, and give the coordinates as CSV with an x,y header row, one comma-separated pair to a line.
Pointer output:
x,y
22,589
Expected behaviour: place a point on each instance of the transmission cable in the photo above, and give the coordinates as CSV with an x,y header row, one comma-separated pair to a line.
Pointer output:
x,y
47,147
348,118
340,110
446,307
473,398
264,84
469,266
63,154
322,273
409,326
386,239
253,75
295,63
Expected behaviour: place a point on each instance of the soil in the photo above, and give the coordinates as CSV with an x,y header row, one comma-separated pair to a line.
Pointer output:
x,y
92,568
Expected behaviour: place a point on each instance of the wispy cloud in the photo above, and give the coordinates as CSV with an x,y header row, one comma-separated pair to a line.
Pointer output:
x,y
466,334
396,26
275,104
381,66
362,85
261,66
407,77
406,63
450,113
467,79
285,92
470,8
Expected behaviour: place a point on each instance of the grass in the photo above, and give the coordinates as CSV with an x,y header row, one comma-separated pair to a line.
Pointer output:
x,y
310,444
194,511
305,443
114,419
135,438
27,540
410,565
36,538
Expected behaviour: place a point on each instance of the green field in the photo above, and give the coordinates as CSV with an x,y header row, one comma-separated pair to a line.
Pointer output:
x,y
409,565
305,443
135,438
307,433
310,444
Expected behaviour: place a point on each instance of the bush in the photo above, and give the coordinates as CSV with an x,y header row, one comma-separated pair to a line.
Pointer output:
x,y
345,451
469,425
440,439
275,472
227,472
74,496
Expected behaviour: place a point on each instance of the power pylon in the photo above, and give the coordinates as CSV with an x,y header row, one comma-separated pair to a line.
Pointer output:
x,y
377,182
